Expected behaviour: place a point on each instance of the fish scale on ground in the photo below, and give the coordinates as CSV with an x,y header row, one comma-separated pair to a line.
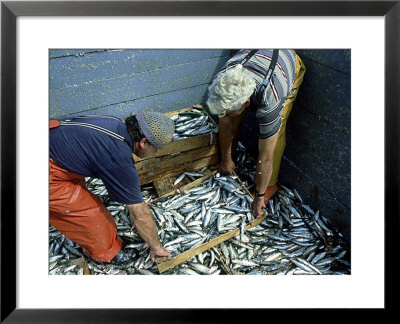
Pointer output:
x,y
292,240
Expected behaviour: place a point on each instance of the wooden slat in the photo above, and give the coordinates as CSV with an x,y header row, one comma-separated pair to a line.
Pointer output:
x,y
81,263
174,159
240,181
182,145
175,112
173,171
167,166
164,264
86,270
164,186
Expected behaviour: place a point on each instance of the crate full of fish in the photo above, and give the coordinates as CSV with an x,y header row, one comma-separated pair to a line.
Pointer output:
x,y
194,145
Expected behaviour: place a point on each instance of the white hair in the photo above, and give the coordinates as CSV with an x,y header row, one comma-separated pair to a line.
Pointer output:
x,y
230,90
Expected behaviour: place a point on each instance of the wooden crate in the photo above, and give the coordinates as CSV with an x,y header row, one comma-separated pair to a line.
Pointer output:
x,y
178,156
166,165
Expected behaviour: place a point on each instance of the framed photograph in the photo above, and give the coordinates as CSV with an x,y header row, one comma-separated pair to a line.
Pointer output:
x,y
29,29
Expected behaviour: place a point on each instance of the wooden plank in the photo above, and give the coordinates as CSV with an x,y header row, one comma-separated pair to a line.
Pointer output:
x,y
86,270
242,184
182,145
81,263
175,112
164,186
164,264
158,167
174,159
178,169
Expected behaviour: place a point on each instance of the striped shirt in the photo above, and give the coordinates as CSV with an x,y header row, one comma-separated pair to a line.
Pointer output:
x,y
269,110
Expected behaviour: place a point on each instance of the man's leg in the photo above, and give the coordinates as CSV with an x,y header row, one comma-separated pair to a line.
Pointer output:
x,y
281,142
81,216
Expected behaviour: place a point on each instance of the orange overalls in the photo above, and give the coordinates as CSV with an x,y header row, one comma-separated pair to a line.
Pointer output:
x,y
80,215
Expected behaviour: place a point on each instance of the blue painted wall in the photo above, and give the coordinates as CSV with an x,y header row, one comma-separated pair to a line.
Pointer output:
x,y
121,82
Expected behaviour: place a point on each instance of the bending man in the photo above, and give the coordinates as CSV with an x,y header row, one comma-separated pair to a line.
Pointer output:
x,y
102,147
267,82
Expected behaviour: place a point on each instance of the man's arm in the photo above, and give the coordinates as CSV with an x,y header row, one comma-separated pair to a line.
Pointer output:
x,y
225,144
264,167
144,223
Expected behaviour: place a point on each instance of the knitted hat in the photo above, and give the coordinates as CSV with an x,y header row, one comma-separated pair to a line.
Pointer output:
x,y
157,127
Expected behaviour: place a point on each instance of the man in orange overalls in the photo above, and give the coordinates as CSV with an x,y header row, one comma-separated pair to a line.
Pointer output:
x,y
102,147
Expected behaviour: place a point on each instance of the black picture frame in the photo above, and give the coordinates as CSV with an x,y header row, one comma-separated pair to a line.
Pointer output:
x,y
10,10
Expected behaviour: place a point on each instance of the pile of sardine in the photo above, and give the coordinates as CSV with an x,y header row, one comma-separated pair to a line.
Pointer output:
x,y
183,221
293,239
192,123
186,220
61,252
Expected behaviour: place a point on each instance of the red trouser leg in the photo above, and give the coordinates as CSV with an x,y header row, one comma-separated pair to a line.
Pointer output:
x,y
81,216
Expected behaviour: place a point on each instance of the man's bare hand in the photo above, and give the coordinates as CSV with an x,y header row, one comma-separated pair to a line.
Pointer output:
x,y
225,167
257,206
159,252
